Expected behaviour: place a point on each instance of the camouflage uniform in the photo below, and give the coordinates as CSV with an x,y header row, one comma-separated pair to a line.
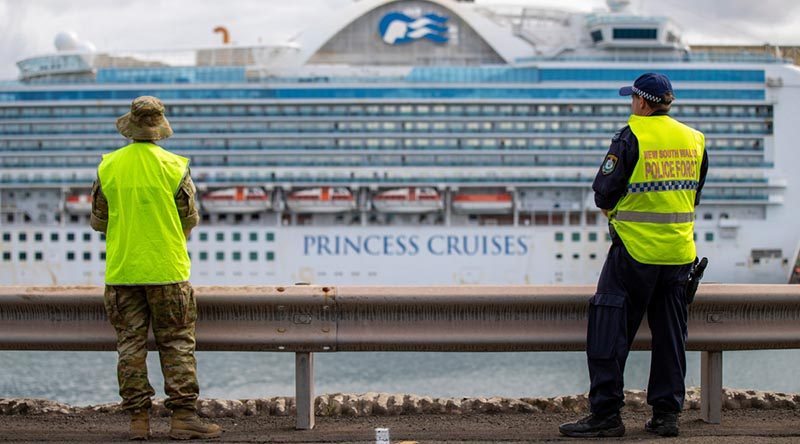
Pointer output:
x,y
171,309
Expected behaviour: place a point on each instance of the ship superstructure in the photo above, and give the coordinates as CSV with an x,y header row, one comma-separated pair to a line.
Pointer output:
x,y
401,142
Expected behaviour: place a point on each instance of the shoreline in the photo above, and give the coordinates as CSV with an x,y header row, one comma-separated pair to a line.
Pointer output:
x,y
394,404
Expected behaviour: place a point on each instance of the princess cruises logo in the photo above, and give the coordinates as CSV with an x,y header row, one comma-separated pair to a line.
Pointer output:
x,y
397,28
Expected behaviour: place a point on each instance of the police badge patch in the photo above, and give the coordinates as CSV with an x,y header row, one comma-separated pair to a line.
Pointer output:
x,y
609,165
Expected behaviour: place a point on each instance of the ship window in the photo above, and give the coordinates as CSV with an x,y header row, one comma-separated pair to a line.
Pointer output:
x,y
220,236
237,237
709,237
576,237
253,236
635,33
37,237
608,237
203,237
87,256
270,237
220,256
87,237
37,256
6,237
694,237
592,256
6,255
23,256
559,236
203,255
559,256
253,256
70,237
270,256
576,256
597,36
23,237
237,255
102,255
592,237
70,255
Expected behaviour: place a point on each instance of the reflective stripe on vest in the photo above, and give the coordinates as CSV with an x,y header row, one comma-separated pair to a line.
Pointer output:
x,y
145,244
655,218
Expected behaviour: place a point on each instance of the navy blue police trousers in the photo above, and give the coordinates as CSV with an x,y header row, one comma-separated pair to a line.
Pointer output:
x,y
628,289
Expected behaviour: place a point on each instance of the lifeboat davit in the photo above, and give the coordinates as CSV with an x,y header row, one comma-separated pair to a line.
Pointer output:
x,y
79,204
484,203
321,200
236,200
408,200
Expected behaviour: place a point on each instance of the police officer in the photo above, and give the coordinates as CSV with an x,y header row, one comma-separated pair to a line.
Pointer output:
x,y
648,185
143,200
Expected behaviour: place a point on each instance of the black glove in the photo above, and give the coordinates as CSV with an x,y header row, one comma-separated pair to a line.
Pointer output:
x,y
695,275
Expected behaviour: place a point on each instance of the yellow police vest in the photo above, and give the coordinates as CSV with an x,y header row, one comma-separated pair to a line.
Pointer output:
x,y
655,218
145,244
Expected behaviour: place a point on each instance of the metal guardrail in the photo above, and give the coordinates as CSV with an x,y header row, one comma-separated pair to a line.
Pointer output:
x,y
307,319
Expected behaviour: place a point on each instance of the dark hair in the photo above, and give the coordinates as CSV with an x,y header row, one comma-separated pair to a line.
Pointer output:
x,y
664,105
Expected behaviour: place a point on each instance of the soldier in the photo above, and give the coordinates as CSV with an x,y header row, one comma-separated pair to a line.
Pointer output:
x,y
143,199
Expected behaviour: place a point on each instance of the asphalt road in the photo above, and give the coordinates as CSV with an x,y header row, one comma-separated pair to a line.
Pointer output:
x,y
739,426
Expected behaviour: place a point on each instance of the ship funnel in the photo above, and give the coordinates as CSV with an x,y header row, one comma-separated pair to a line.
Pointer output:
x,y
226,37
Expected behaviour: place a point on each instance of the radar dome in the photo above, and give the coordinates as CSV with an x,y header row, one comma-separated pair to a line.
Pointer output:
x,y
85,47
66,41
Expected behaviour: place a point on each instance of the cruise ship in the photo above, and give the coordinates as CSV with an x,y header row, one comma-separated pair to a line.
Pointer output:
x,y
401,142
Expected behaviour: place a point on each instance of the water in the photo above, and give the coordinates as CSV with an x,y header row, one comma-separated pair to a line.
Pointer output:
x,y
82,378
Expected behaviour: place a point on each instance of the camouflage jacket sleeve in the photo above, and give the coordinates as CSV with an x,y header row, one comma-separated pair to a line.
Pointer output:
x,y
185,201
99,219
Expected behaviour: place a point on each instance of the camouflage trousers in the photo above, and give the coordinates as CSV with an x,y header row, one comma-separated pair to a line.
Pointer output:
x,y
173,312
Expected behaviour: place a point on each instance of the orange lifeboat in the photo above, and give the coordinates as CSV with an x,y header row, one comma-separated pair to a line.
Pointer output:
x,y
79,204
408,200
236,200
321,200
484,203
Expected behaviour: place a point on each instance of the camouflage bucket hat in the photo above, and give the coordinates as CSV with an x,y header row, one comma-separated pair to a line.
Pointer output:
x,y
145,121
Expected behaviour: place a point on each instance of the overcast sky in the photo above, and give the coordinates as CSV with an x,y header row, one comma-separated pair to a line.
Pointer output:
x,y
29,26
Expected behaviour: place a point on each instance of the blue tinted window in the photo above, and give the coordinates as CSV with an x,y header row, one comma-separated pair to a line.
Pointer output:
x,y
635,33
676,75
377,93
200,74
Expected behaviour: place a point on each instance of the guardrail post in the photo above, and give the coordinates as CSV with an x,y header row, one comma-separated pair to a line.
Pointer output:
x,y
711,386
304,390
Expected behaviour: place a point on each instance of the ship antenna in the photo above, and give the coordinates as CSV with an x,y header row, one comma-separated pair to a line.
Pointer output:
x,y
226,37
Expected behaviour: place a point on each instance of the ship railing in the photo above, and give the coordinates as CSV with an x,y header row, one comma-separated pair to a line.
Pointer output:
x,y
78,114
306,319
201,180
687,57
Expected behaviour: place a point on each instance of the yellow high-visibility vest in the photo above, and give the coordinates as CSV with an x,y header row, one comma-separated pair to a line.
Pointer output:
x,y
655,218
145,244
